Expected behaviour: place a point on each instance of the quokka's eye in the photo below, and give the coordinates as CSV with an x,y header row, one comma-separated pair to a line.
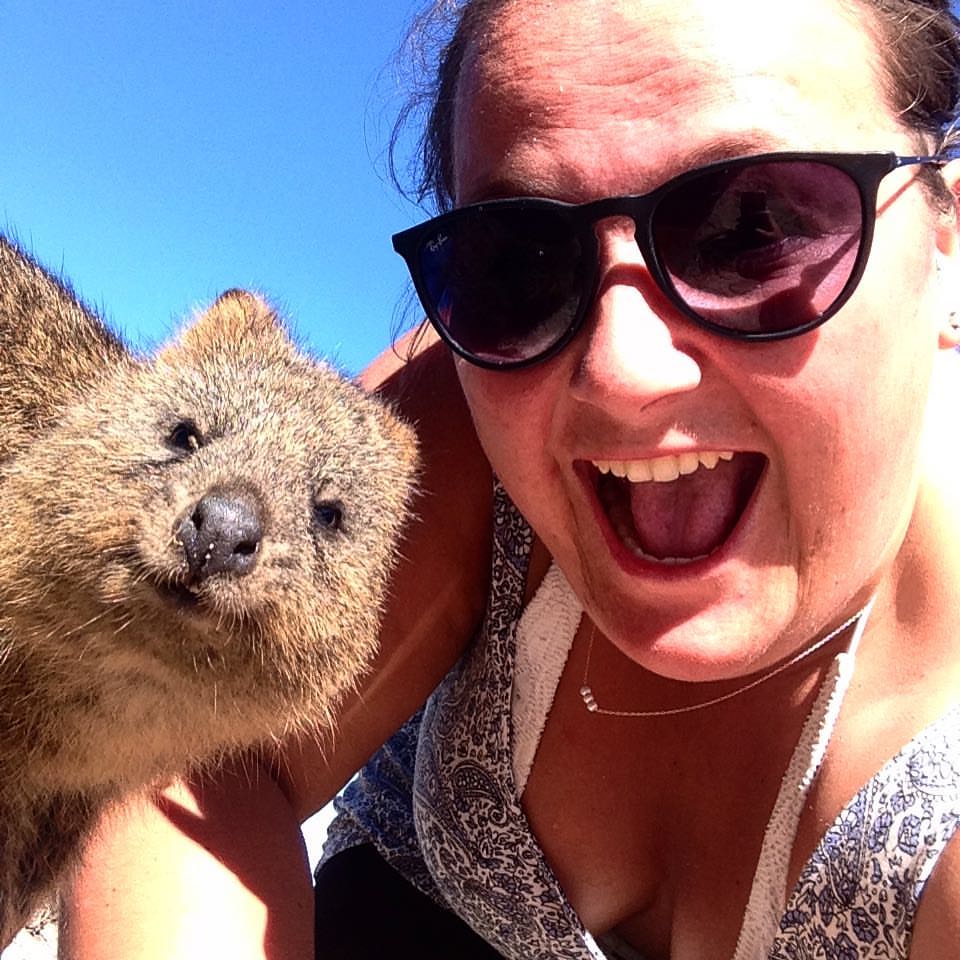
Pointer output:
x,y
328,514
185,436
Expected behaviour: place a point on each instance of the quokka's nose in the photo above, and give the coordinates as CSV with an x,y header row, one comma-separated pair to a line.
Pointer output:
x,y
221,534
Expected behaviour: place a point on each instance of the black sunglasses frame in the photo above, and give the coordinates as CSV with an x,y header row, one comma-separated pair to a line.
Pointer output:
x,y
865,170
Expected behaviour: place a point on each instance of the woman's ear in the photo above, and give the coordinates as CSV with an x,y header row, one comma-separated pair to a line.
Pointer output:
x,y
948,259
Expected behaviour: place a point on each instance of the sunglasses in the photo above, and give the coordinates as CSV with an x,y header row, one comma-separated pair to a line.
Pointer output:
x,y
756,248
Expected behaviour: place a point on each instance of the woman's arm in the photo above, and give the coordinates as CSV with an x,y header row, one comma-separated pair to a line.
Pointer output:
x,y
219,868
211,869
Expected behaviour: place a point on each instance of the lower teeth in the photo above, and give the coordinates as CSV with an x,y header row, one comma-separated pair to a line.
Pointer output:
x,y
630,542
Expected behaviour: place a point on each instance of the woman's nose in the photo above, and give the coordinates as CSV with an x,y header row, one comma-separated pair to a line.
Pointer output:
x,y
629,350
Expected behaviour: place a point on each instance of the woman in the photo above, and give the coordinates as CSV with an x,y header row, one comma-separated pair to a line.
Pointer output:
x,y
725,561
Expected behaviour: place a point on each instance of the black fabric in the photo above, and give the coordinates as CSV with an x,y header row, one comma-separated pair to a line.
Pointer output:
x,y
365,910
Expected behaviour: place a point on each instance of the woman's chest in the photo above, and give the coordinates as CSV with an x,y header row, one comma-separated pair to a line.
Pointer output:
x,y
649,827
654,827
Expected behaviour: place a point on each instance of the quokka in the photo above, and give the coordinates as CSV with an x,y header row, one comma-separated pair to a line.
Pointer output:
x,y
194,551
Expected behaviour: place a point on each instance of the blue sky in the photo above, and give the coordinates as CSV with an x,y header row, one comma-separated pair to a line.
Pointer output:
x,y
158,153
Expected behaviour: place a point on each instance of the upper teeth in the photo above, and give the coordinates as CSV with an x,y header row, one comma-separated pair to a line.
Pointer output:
x,y
663,469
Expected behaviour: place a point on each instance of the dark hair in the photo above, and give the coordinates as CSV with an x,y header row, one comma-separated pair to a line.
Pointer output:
x,y
432,56
919,46
918,42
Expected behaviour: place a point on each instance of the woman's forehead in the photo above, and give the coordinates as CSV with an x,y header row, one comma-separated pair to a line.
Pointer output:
x,y
754,31
663,72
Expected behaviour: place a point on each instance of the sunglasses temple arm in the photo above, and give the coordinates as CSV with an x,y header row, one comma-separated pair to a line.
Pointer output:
x,y
937,160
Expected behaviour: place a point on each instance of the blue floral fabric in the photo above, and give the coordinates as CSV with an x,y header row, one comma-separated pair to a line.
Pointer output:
x,y
440,804
857,897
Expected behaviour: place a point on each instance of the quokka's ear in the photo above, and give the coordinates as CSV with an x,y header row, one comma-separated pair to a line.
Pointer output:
x,y
238,324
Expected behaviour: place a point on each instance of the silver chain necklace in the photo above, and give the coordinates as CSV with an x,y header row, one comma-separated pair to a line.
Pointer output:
x,y
591,704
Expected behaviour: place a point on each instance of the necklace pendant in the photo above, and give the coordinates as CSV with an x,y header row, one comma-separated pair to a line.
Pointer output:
x,y
588,700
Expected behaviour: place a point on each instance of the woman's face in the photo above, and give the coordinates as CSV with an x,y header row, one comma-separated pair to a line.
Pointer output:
x,y
592,98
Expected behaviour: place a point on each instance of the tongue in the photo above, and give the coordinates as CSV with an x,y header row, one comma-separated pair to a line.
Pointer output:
x,y
693,515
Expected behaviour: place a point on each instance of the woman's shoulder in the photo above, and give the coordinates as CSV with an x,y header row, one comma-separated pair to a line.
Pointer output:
x,y
418,377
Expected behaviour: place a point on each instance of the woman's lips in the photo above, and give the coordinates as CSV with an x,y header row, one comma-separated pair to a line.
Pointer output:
x,y
678,508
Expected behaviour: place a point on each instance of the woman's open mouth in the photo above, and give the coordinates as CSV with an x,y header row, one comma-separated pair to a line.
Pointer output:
x,y
677,509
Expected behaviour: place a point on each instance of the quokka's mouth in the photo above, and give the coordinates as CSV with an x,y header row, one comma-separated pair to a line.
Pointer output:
x,y
178,594
677,509
138,580
209,609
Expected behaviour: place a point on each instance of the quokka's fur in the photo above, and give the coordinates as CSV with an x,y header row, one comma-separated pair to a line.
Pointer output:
x,y
194,549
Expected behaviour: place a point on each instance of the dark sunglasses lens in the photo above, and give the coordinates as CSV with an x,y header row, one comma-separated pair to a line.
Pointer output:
x,y
764,248
504,283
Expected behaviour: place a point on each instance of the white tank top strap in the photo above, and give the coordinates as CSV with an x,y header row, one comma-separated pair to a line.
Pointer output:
x,y
544,637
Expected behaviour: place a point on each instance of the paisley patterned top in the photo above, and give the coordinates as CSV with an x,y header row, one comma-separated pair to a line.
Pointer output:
x,y
440,803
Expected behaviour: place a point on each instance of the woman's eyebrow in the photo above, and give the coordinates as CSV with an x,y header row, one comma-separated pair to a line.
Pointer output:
x,y
725,146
